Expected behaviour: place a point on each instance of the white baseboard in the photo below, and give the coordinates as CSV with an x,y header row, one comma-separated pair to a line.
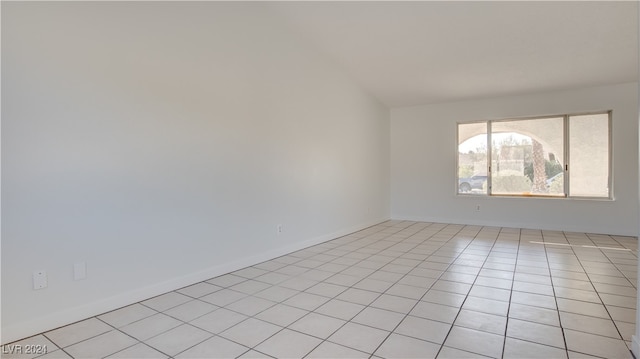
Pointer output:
x,y
65,317
491,223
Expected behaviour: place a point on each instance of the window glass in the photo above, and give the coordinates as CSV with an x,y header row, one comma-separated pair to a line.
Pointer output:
x,y
525,157
472,158
560,156
589,155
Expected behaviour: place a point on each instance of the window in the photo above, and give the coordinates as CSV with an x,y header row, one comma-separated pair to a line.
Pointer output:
x,y
556,156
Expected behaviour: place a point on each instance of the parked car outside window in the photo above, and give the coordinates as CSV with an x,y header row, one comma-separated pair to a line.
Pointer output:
x,y
470,183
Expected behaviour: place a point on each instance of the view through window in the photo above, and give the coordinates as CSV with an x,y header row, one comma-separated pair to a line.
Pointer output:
x,y
560,156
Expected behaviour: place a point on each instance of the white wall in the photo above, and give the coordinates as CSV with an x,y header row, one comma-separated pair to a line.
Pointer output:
x,y
162,143
423,164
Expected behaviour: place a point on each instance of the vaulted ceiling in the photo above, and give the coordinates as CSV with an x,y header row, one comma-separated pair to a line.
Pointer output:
x,y
411,53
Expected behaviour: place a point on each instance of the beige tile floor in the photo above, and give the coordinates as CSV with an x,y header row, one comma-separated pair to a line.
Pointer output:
x,y
399,289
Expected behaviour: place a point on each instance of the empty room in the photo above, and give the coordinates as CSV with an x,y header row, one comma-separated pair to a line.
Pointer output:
x,y
319,179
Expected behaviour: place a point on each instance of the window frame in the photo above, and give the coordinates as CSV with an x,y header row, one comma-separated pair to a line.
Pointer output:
x,y
566,157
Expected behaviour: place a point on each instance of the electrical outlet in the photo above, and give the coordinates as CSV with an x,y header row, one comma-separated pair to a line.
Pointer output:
x,y
279,229
478,208
40,279
79,270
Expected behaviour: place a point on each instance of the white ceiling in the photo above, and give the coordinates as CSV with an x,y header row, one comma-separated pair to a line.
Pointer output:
x,y
411,53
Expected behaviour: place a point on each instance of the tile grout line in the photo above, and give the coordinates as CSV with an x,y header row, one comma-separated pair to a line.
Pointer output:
x,y
399,239
599,297
282,302
368,306
425,293
555,297
467,295
515,266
